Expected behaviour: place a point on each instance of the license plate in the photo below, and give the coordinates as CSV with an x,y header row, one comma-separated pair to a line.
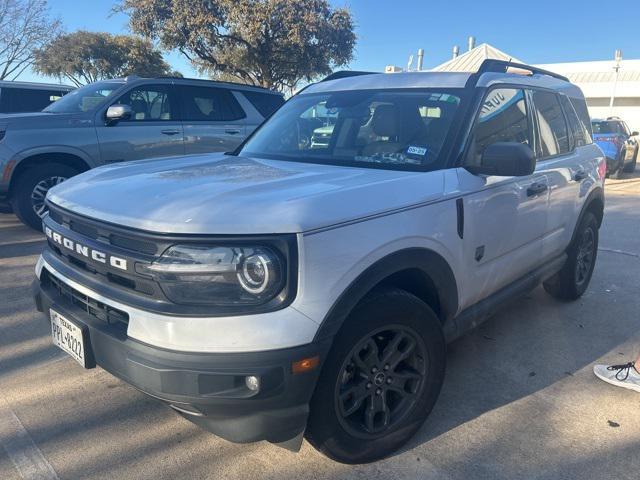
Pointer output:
x,y
68,336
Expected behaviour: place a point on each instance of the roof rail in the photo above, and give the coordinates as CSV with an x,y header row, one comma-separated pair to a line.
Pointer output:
x,y
345,74
502,66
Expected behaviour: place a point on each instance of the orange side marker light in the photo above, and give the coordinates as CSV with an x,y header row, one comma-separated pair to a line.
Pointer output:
x,y
305,365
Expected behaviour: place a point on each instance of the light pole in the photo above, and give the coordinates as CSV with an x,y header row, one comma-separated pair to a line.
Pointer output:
x,y
618,58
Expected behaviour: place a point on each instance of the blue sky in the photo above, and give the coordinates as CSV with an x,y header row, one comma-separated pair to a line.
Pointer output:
x,y
543,31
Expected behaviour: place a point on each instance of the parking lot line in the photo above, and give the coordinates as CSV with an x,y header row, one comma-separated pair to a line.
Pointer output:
x,y
21,450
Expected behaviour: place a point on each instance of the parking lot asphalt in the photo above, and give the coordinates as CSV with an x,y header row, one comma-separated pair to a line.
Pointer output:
x,y
519,402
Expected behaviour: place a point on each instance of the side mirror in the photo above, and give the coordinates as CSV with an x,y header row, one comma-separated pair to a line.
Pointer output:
x,y
116,113
634,133
506,159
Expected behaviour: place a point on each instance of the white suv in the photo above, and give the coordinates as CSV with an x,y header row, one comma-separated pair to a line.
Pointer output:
x,y
292,289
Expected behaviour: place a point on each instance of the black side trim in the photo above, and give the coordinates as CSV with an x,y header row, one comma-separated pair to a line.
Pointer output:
x,y
460,210
476,314
597,195
429,262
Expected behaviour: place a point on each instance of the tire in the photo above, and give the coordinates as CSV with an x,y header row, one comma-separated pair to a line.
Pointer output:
x,y
387,321
27,198
572,281
632,166
617,173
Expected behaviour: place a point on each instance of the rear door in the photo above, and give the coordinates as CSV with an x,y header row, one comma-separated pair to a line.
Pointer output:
x,y
505,217
212,119
154,129
562,164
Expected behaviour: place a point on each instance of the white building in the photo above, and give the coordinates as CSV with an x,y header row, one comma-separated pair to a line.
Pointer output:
x,y
596,79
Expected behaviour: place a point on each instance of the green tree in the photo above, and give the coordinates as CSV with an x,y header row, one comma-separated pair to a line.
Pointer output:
x,y
85,57
25,25
270,43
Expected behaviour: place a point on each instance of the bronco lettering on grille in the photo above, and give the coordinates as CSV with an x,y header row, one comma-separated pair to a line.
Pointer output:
x,y
85,251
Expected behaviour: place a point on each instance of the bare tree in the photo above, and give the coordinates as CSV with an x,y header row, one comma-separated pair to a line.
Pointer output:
x,y
25,25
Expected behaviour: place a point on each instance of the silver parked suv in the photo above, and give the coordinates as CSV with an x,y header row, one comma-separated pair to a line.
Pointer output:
x,y
298,288
117,120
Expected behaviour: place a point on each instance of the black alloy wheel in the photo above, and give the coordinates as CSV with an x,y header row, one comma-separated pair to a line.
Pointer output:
x,y
380,381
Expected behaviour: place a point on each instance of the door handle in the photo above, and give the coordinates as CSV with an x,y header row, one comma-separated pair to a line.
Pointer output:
x,y
170,132
232,131
580,175
536,189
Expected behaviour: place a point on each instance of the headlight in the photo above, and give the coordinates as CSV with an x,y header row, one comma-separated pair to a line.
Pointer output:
x,y
218,275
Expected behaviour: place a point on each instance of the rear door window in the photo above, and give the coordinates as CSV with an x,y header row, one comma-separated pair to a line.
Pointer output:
x,y
580,106
576,129
202,104
265,103
554,136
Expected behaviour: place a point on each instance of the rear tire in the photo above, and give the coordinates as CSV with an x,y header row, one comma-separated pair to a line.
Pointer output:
x,y
381,379
31,187
620,167
572,281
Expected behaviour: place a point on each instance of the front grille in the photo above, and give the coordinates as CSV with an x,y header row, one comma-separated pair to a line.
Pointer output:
x,y
102,232
93,307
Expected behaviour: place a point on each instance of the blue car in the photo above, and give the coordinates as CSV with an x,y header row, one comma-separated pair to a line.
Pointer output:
x,y
618,143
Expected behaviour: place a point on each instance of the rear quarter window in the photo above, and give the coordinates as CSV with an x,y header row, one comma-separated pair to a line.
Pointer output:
x,y
265,103
580,106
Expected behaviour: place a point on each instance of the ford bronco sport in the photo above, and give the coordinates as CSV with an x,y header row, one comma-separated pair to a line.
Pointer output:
x,y
291,289
116,120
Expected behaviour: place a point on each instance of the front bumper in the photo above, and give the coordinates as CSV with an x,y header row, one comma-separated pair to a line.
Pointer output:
x,y
207,388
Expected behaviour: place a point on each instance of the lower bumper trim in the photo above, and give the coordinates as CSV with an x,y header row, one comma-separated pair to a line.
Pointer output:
x,y
206,388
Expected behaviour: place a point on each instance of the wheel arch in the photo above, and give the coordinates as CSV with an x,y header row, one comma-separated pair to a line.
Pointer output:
x,y
73,160
595,205
419,271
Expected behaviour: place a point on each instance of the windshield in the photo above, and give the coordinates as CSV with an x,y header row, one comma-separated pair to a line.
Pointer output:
x,y
84,99
392,129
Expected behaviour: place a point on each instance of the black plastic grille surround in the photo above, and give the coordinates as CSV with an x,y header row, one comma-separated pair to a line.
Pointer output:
x,y
133,288
93,307
103,233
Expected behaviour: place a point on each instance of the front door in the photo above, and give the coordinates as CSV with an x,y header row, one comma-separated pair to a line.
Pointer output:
x,y
505,217
154,129
213,119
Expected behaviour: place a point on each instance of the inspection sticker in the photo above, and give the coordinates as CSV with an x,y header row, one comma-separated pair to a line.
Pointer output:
x,y
416,150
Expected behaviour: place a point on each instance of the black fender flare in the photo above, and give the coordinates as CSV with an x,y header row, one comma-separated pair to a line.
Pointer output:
x,y
596,195
427,261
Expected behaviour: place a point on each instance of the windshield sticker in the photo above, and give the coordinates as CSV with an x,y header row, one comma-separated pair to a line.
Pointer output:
x,y
412,150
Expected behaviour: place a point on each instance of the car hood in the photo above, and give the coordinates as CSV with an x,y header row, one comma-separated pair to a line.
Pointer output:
x,y
221,194
34,119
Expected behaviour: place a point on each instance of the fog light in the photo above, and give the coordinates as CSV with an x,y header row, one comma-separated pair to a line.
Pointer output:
x,y
252,383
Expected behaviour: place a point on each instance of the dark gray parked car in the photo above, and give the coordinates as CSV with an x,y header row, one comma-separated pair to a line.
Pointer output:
x,y
118,120
18,97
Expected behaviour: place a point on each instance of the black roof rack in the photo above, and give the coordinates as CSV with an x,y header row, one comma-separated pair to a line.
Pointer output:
x,y
502,66
345,74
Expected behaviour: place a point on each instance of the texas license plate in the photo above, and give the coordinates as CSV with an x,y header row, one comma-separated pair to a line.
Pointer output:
x,y
68,336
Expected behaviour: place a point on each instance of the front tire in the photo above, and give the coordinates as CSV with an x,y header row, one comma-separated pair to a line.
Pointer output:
x,y
30,190
572,281
381,379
